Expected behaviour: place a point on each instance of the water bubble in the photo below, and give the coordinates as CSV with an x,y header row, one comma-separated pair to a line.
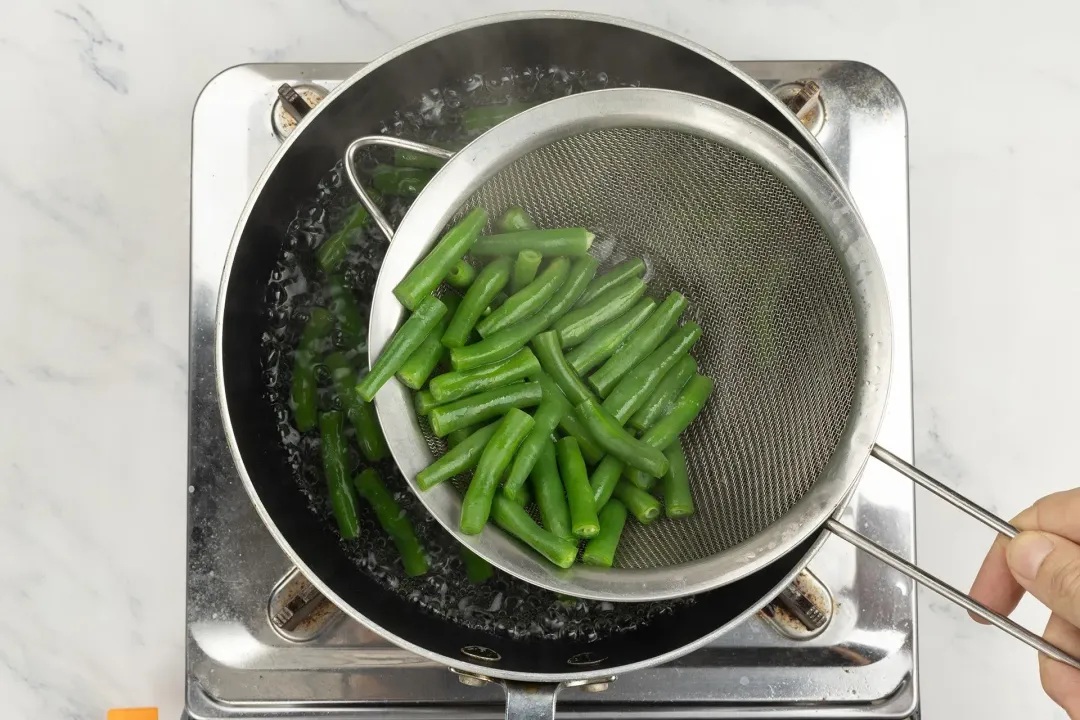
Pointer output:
x,y
473,82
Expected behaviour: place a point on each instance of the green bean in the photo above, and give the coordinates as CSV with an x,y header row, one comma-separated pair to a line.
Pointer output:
x,y
477,569
455,385
418,368
583,520
393,521
640,343
546,345
665,393
604,479
461,275
509,340
665,437
525,267
572,426
642,480
485,117
683,411
401,181
549,491
641,504
369,435
496,303
569,423
347,313
483,406
599,346
476,505
524,497
639,479
632,268
638,384
458,436
335,456
678,501
414,159
515,219
430,271
550,242
616,441
512,518
305,387
458,459
424,402
402,344
546,418
528,300
577,325
601,549
487,285
333,250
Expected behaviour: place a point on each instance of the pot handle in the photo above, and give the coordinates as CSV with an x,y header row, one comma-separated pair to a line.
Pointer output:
x,y
532,701
526,701
926,579
365,197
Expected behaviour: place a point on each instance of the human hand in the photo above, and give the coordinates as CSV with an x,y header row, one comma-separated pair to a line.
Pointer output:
x,y
1044,560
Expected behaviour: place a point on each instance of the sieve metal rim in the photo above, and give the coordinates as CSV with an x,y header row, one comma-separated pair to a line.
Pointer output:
x,y
827,201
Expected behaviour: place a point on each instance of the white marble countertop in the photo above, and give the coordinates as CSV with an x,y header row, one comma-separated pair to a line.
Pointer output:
x,y
93,361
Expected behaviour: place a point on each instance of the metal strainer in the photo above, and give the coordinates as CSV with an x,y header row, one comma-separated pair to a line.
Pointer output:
x,y
781,275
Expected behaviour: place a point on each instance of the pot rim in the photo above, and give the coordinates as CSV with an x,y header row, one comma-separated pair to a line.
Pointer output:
x,y
264,515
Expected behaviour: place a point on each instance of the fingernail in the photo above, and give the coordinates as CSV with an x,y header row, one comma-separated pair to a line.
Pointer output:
x,y
1026,553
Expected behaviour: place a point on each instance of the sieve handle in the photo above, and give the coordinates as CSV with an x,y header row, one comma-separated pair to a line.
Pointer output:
x,y
365,197
930,581
944,492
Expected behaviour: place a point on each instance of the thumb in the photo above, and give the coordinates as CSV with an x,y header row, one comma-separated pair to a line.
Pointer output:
x,y
1048,567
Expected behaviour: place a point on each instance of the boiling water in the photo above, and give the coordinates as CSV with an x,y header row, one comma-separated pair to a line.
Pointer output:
x,y
503,604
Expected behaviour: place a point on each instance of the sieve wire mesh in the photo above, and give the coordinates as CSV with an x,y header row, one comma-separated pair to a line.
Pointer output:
x,y
779,330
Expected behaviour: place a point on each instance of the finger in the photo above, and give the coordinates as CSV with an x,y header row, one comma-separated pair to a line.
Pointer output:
x,y
1048,567
994,586
1061,682
1058,514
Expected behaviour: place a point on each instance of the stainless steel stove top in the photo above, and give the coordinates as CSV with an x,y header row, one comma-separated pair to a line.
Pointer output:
x,y
241,663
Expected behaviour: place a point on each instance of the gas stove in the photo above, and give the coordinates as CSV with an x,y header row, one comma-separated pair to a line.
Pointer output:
x,y
261,642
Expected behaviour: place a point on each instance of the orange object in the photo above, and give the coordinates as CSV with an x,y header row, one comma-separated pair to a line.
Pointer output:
x,y
133,714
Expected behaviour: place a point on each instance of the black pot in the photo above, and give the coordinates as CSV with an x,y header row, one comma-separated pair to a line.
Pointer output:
x,y
356,108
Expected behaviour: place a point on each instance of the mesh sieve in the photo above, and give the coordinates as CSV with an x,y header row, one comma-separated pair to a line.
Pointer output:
x,y
789,292
778,331
778,271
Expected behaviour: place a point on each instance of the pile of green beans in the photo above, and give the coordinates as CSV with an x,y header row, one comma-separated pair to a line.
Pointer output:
x,y
335,339
553,369
550,381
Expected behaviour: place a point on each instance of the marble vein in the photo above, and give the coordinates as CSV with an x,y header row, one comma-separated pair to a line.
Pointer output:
x,y
96,44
